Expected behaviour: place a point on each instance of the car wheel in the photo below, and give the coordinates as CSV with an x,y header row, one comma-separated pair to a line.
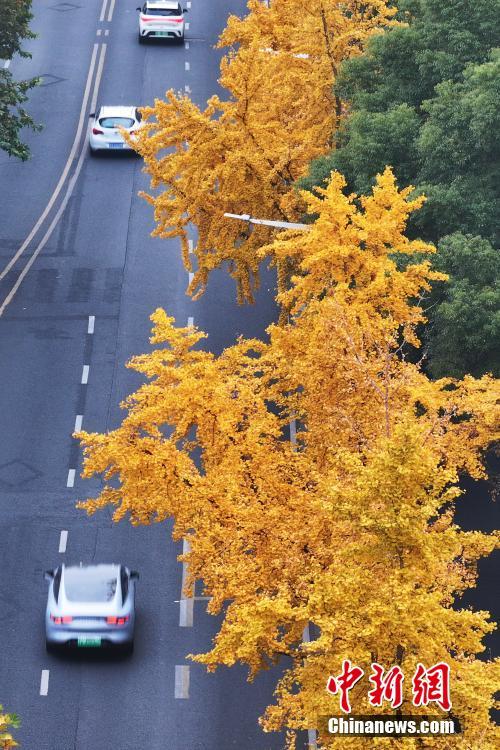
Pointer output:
x,y
127,648
93,151
180,40
50,647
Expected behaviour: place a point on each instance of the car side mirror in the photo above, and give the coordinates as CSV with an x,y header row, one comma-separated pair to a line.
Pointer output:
x,y
184,10
92,114
134,575
138,8
48,575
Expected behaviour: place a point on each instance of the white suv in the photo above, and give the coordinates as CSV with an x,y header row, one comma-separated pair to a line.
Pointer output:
x,y
163,18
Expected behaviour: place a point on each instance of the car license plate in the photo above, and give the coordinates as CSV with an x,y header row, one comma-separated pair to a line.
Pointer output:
x,y
116,145
162,33
89,642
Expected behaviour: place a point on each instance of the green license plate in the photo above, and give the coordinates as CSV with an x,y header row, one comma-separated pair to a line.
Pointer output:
x,y
162,33
89,642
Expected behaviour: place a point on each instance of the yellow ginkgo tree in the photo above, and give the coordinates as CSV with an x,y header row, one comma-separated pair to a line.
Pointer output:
x,y
7,722
244,152
350,528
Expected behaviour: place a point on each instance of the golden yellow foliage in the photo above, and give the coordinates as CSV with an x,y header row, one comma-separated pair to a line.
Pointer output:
x,y
244,153
352,529
6,721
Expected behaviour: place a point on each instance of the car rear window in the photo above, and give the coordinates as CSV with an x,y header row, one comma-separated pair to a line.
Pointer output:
x,y
163,11
116,122
87,585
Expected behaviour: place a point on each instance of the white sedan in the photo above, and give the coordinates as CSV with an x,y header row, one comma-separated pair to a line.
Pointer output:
x,y
161,18
105,133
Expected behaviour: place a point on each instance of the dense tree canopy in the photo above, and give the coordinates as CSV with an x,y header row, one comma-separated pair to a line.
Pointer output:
x,y
353,531
14,28
424,99
242,154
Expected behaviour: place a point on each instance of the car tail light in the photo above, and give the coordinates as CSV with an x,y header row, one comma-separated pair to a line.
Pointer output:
x,y
56,620
177,20
117,620
66,619
96,131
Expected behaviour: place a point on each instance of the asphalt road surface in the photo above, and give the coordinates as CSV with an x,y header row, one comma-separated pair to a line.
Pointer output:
x,y
76,295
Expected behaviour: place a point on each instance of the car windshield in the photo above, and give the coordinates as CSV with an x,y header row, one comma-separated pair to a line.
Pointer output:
x,y
89,585
164,11
116,122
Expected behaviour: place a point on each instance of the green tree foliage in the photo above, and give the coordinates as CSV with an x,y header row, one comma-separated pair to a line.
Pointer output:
x,y
466,328
14,27
424,99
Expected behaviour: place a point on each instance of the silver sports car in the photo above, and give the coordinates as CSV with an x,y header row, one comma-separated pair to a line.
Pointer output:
x,y
91,606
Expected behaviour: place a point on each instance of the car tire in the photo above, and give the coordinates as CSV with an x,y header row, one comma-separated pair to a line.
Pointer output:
x,y
140,38
180,39
127,648
93,151
50,647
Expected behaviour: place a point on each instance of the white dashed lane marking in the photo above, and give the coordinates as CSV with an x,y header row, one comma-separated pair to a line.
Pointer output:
x,y
44,682
85,374
187,66
90,328
181,681
63,541
71,478
78,422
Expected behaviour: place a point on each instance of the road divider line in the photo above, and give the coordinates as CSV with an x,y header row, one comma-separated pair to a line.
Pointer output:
x,y
78,423
99,32
191,277
85,374
71,478
190,246
106,33
190,322
44,682
187,89
188,4
90,328
187,25
103,11
186,45
65,171
98,77
182,681
187,66
111,9
63,541
6,64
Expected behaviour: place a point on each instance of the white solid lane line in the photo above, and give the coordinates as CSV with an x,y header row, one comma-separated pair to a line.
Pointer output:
x,y
91,325
7,63
85,374
63,541
71,478
44,682
103,11
191,277
65,171
181,681
98,77
78,423
111,9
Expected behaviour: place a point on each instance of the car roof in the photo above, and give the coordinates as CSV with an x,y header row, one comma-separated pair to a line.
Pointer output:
x,y
170,4
118,111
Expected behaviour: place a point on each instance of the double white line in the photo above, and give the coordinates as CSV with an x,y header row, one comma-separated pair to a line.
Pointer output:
x,y
103,11
78,147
